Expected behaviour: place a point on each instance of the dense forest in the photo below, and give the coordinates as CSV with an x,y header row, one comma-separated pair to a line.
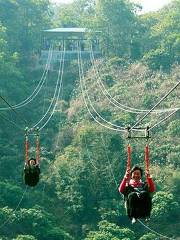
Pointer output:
x,y
83,150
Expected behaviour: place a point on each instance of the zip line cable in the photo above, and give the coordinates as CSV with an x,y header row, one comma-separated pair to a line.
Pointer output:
x,y
38,87
25,101
12,108
19,116
81,72
52,101
13,212
116,184
45,93
164,119
56,92
84,98
114,101
20,129
60,77
41,82
81,75
114,125
107,94
60,74
5,118
155,111
162,99
157,233
59,126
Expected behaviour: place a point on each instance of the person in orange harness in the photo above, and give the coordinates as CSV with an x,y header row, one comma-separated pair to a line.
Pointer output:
x,y
137,193
31,172
32,167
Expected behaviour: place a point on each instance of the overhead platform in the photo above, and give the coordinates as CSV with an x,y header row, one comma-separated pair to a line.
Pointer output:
x,y
68,39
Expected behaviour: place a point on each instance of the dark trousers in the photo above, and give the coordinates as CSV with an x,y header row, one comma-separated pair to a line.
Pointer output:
x,y
139,205
31,179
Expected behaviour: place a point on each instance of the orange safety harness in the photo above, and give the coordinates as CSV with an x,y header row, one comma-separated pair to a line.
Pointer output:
x,y
129,150
37,147
26,148
147,160
128,167
27,132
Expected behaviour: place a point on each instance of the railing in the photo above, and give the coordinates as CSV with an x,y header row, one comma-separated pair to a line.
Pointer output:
x,y
69,55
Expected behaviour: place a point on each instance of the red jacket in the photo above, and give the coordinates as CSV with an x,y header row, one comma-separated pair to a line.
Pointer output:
x,y
132,183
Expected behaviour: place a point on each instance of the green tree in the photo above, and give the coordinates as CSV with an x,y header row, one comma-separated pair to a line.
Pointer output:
x,y
149,236
110,231
33,221
77,14
164,206
158,59
174,128
165,34
8,60
118,23
25,237
89,185
24,20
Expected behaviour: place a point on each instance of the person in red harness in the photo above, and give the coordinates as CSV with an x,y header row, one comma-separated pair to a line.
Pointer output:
x,y
32,167
137,194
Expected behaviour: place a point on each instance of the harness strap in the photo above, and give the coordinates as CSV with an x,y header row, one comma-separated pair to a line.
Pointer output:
x,y
26,146
26,149
128,158
147,160
128,167
37,149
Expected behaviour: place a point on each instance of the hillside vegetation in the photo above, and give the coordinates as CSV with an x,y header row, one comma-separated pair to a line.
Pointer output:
x,y
83,155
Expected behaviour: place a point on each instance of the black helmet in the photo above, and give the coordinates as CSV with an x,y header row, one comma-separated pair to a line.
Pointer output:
x,y
31,159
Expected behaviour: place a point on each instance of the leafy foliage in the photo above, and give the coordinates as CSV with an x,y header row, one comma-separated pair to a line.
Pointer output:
x,y
110,231
164,206
81,162
165,34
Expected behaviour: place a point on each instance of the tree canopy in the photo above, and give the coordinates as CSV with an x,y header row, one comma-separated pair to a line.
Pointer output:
x,y
83,162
